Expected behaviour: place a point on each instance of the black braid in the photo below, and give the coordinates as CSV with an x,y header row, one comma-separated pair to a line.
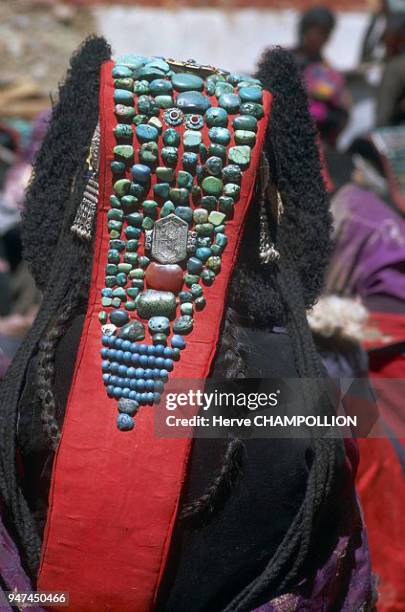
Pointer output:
x,y
57,260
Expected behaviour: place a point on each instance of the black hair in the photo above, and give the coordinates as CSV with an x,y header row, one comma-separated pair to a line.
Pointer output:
x,y
59,263
269,294
320,16
365,148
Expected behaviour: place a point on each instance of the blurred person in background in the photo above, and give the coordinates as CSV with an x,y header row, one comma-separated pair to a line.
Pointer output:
x,y
391,96
314,30
368,263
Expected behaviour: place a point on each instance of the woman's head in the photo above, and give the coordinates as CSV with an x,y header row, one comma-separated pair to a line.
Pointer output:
x,y
314,30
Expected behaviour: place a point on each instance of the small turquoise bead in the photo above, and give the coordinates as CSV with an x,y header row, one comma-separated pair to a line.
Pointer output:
x,y
232,174
245,122
167,209
217,150
184,179
209,202
119,317
134,219
170,155
250,94
147,106
171,138
141,88
222,87
194,265
203,253
164,101
191,139
196,290
160,86
179,195
117,167
185,213
123,130
121,72
213,166
126,406
161,190
190,160
183,325
221,240
207,277
185,296
252,108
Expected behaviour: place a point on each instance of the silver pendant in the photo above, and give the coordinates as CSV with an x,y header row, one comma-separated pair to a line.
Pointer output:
x,y
169,242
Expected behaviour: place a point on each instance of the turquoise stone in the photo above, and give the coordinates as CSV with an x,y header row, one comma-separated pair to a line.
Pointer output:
x,y
240,155
124,267
119,317
164,101
110,281
121,72
203,253
160,86
141,173
190,279
200,303
156,303
196,290
234,78
133,292
167,209
193,102
150,208
219,229
185,179
123,96
204,229
210,86
134,219
159,325
137,190
232,174
115,213
250,94
138,119
147,223
114,201
190,160
119,245
125,422
146,133
252,108
132,245
219,135
124,113
129,203
132,232
196,193
122,186
216,250
185,296
131,258
186,308
216,117
216,218
147,105
156,123
200,215
106,302
138,273
141,88
191,139
123,130
117,167
232,190
230,102
171,138
124,84
165,174
103,317
133,331
120,294
151,72
214,263
226,205
245,137
148,153
144,261
124,152
179,195
132,60
245,122
208,277
203,152
213,166
185,213
187,82
161,190
170,155
183,325
212,186
113,256
127,406
222,87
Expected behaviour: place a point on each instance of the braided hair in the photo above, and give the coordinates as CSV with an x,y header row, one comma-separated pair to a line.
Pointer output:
x,y
269,294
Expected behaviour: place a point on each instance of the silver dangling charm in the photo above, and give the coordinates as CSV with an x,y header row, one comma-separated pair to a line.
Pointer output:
x,y
84,220
267,250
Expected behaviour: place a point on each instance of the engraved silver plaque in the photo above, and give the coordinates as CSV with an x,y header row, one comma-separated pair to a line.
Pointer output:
x,y
169,244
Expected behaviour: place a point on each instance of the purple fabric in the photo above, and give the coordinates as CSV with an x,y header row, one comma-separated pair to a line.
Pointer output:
x,y
11,572
369,258
344,583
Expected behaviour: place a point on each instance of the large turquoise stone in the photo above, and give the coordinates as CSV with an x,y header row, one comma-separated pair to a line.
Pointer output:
x,y
245,122
164,101
230,102
252,108
122,186
184,81
119,317
154,69
179,195
132,60
245,137
148,106
170,155
156,303
191,139
216,117
193,102
185,213
250,94
124,84
124,113
183,325
122,96
149,153
165,174
146,133
123,130
161,190
171,138
161,86
212,186
184,179
121,72
141,88
232,174
219,135
213,166
124,152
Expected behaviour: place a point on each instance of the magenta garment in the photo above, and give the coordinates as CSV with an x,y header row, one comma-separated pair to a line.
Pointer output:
x,y
369,257
11,573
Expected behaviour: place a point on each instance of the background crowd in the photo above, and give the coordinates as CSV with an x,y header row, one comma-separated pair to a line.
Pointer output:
x,y
359,324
